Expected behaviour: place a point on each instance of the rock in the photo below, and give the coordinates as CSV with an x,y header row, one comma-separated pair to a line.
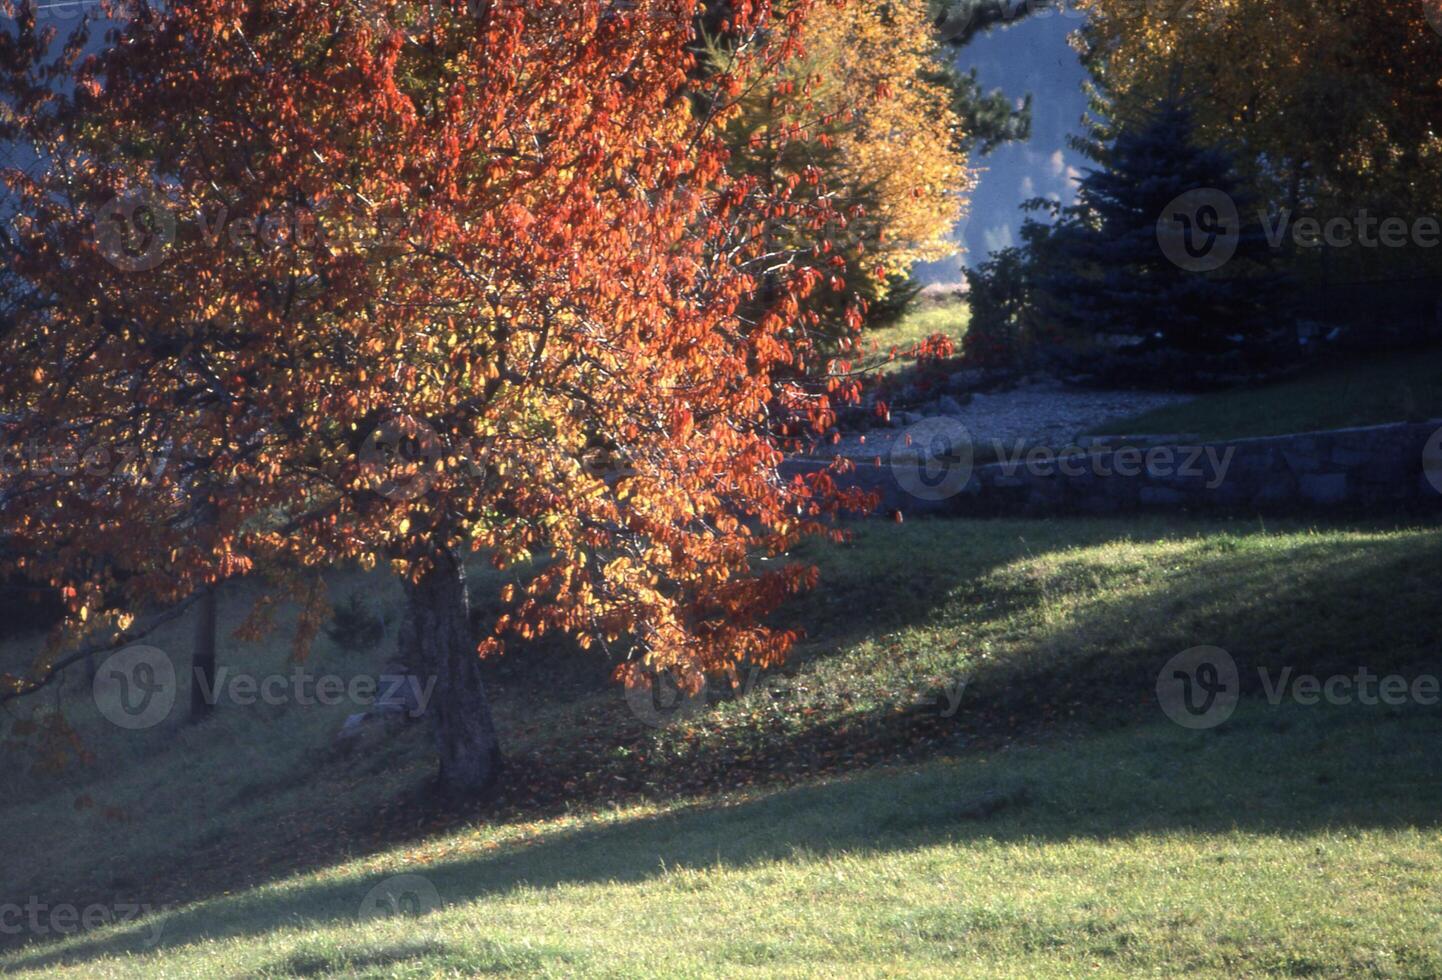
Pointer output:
x,y
397,703
947,405
358,728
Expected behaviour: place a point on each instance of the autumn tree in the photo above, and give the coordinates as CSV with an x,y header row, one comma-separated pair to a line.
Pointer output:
x,y
1336,102
863,116
269,241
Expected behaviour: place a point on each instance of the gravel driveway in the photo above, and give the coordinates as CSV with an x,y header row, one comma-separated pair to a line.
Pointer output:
x,y
1045,413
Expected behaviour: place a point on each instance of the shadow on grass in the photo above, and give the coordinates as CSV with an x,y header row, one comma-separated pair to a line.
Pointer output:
x,y
1322,607
1280,771
305,964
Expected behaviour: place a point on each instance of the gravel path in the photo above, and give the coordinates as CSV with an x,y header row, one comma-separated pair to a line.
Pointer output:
x,y
1045,413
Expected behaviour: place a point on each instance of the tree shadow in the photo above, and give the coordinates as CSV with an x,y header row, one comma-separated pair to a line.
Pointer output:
x,y
306,964
1092,673
1282,772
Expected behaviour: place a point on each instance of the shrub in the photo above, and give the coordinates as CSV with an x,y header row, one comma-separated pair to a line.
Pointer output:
x,y
354,626
999,290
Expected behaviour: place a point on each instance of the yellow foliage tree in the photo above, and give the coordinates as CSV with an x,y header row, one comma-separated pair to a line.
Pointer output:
x,y
1340,100
862,115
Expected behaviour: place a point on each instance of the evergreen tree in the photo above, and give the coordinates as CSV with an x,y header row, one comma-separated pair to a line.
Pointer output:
x,y
1162,244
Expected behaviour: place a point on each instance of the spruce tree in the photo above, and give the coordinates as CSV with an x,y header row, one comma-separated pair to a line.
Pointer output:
x,y
1164,244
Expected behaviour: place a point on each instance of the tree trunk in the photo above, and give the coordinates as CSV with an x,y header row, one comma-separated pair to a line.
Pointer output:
x,y
436,641
202,658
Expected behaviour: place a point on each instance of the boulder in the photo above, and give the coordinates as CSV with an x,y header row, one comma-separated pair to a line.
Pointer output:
x,y
359,728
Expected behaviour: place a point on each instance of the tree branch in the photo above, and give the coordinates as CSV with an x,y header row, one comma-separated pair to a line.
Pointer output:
x,y
124,639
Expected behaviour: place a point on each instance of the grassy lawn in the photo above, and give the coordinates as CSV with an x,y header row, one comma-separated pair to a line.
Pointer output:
x,y
926,317
832,818
1393,388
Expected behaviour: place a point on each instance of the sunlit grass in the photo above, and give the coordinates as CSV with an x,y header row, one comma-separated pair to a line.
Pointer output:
x,y
1296,842
1061,825
925,318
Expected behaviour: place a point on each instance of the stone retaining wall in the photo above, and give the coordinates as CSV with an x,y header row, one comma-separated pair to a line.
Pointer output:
x,y
1386,468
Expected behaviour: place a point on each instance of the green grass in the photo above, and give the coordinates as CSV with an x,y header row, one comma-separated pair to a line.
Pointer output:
x,y
1297,843
925,317
830,820
1391,388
